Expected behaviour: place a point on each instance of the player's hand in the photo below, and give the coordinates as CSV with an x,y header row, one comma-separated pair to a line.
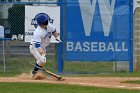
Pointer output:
x,y
58,39
42,54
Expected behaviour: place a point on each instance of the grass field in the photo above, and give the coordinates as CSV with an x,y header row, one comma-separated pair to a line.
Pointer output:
x,y
132,82
56,88
15,66
18,65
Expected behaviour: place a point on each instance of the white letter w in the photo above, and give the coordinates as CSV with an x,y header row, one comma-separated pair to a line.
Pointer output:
x,y
87,12
106,11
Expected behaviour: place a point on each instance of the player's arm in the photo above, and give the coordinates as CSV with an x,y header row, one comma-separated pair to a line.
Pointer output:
x,y
54,32
39,49
37,40
56,35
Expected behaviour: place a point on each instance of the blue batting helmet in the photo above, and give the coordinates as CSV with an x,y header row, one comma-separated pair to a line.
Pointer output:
x,y
42,19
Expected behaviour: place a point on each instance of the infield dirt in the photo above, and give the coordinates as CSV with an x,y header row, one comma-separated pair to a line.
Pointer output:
x,y
107,82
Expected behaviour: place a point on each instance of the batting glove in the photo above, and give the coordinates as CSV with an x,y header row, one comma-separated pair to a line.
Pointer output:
x,y
58,39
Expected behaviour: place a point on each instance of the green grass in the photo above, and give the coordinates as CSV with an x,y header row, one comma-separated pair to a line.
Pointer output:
x,y
132,82
88,67
56,88
18,65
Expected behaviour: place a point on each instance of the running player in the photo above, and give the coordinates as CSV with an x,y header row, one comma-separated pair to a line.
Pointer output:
x,y
41,40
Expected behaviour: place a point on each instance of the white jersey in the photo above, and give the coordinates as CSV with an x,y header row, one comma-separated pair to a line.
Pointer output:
x,y
43,36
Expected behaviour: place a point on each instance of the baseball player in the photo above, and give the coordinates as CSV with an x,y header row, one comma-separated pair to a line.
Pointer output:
x,y
41,40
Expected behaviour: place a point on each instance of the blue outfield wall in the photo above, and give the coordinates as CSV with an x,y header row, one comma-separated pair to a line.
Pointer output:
x,y
99,30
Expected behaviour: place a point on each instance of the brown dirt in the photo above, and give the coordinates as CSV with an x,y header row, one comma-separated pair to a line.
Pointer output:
x,y
108,82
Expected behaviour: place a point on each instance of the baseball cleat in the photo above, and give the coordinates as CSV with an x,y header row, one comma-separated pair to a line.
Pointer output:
x,y
33,73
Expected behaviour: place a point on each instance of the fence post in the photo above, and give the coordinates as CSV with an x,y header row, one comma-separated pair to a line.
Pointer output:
x,y
60,45
131,36
7,46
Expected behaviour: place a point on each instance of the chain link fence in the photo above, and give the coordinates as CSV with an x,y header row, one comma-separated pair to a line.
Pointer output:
x,y
18,58
92,66
15,57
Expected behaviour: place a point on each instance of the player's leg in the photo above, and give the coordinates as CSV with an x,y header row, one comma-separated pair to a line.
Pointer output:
x,y
41,60
35,69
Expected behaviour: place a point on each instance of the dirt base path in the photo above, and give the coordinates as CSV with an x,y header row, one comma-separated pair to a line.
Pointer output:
x,y
108,82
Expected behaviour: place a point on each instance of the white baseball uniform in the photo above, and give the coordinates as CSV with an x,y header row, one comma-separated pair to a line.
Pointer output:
x,y
41,37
